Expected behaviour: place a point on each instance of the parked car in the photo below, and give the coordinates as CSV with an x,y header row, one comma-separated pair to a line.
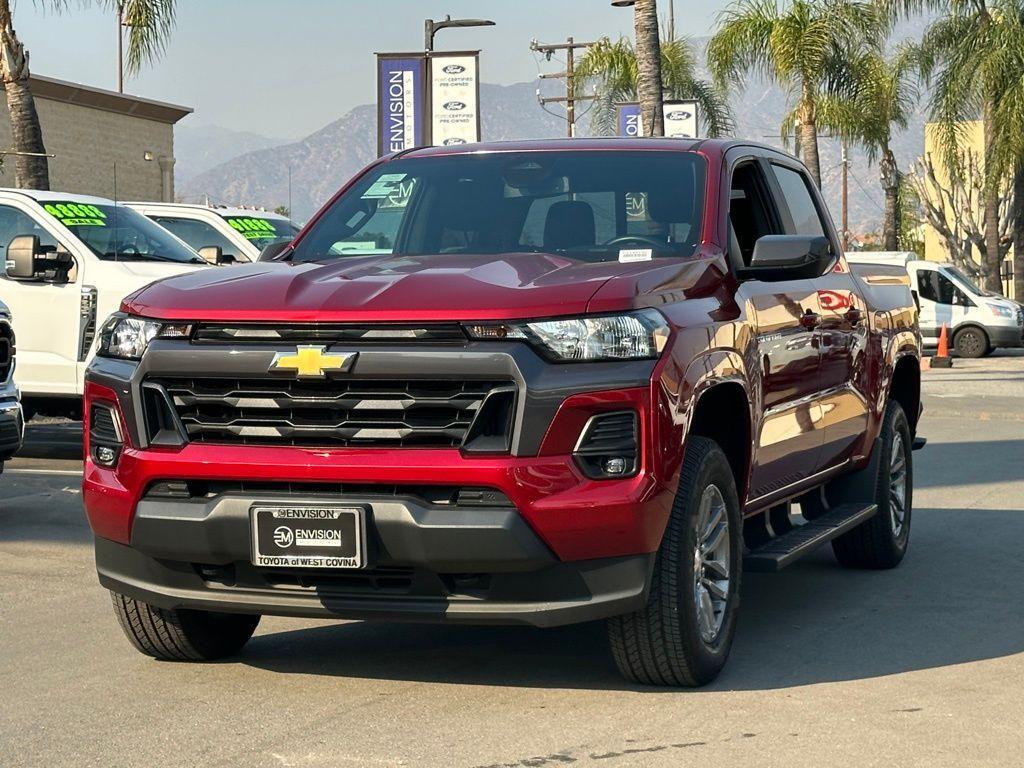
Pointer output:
x,y
536,383
978,321
70,260
221,235
12,425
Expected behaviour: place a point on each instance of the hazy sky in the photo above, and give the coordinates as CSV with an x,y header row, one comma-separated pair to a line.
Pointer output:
x,y
285,69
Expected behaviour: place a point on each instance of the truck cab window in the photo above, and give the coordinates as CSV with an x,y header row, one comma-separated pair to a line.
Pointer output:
x,y
750,214
934,286
802,209
15,222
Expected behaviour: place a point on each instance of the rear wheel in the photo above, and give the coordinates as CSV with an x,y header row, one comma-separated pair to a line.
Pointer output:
x,y
971,342
683,635
182,635
881,542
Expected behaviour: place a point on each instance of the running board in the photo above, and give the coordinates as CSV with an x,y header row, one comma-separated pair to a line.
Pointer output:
x,y
804,539
919,443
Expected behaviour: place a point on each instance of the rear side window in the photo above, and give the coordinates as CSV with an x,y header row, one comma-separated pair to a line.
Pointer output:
x,y
806,219
198,234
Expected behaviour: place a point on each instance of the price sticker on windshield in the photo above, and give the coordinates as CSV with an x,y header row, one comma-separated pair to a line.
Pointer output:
x,y
629,255
252,228
76,214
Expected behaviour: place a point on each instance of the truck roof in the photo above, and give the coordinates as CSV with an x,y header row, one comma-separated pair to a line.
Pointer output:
x,y
43,196
225,210
707,146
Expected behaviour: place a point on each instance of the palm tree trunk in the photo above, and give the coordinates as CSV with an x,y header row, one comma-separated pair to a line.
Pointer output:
x,y
991,204
648,61
891,216
809,135
26,134
1018,232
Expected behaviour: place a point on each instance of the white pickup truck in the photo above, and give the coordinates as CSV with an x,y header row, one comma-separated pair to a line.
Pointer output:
x,y
70,260
221,235
978,321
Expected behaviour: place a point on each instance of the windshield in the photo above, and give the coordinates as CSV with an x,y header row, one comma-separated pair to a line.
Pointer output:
x,y
965,282
261,231
117,233
589,205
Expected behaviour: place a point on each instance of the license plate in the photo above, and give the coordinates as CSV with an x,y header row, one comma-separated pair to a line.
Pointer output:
x,y
308,537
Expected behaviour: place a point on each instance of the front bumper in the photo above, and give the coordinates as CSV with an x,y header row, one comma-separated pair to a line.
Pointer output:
x,y
12,425
564,548
1005,336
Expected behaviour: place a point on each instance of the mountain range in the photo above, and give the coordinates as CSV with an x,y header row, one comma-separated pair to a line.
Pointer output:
x,y
228,167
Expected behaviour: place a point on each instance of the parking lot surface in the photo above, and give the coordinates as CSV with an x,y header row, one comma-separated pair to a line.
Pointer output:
x,y
923,665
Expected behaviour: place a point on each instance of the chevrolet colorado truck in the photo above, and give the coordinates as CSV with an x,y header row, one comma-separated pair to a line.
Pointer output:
x,y
535,383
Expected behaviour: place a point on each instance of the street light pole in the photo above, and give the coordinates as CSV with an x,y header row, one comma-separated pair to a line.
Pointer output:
x,y
431,28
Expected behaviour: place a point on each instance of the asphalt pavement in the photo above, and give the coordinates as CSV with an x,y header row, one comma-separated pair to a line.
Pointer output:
x,y
920,666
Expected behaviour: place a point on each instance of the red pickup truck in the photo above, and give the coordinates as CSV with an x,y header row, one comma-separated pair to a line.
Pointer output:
x,y
539,382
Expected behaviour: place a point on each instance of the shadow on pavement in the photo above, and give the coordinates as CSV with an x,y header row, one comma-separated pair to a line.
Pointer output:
x,y
815,622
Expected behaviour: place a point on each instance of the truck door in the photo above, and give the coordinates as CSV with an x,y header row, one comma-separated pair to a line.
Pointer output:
x,y
842,333
788,438
941,302
46,316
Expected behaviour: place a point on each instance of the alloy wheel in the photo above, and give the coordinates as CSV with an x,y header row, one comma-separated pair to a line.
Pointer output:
x,y
711,563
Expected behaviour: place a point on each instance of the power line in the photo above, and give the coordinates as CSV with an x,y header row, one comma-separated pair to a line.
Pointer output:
x,y
568,74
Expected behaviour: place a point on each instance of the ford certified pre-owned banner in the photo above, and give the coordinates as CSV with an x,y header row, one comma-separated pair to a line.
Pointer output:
x,y
454,98
400,102
680,119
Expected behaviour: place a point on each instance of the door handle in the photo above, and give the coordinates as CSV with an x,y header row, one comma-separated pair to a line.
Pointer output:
x,y
810,320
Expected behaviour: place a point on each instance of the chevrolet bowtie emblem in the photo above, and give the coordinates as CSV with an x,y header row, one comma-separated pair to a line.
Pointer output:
x,y
312,362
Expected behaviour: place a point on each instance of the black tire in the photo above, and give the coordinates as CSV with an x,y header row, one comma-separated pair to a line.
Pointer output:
x,y
877,543
182,635
661,644
971,342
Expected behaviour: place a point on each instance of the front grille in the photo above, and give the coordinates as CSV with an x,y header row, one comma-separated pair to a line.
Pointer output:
x,y
327,333
6,351
334,413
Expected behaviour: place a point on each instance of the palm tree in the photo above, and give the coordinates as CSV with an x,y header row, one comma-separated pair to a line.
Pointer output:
x,y
149,25
883,94
612,70
963,60
803,46
648,60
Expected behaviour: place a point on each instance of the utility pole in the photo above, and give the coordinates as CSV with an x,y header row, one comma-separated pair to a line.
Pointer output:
x,y
570,98
120,47
845,163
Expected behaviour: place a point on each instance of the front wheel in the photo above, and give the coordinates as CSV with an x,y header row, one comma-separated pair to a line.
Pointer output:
x,y
971,342
881,542
182,635
683,635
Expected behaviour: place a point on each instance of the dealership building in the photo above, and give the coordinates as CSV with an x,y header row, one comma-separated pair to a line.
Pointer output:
x,y
104,143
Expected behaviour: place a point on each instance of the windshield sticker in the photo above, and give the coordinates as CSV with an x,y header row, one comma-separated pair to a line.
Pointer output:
x,y
253,229
388,184
76,214
628,255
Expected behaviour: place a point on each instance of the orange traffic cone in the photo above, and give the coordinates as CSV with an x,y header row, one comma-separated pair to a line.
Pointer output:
x,y
941,358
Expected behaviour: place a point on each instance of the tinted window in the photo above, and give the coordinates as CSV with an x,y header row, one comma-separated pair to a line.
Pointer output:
x,y
750,214
806,219
587,205
14,223
117,233
198,234
934,286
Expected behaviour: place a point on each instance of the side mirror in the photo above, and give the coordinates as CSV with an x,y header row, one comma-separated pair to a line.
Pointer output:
x,y
789,257
272,251
29,261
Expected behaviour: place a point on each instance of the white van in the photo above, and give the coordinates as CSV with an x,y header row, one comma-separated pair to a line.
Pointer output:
x,y
70,260
977,321
221,235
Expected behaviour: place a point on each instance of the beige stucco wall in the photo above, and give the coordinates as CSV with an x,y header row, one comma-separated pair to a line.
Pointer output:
x,y
87,142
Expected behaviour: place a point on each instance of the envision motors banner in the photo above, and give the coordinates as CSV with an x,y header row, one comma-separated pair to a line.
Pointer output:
x,y
680,119
427,99
400,102
454,98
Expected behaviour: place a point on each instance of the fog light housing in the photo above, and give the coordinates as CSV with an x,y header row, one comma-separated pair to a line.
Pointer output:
x,y
105,438
609,446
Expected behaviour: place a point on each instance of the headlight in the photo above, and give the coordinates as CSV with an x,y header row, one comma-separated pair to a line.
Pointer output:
x,y
1000,311
127,337
633,336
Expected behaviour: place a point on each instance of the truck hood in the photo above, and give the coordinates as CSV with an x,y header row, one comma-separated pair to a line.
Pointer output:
x,y
394,288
